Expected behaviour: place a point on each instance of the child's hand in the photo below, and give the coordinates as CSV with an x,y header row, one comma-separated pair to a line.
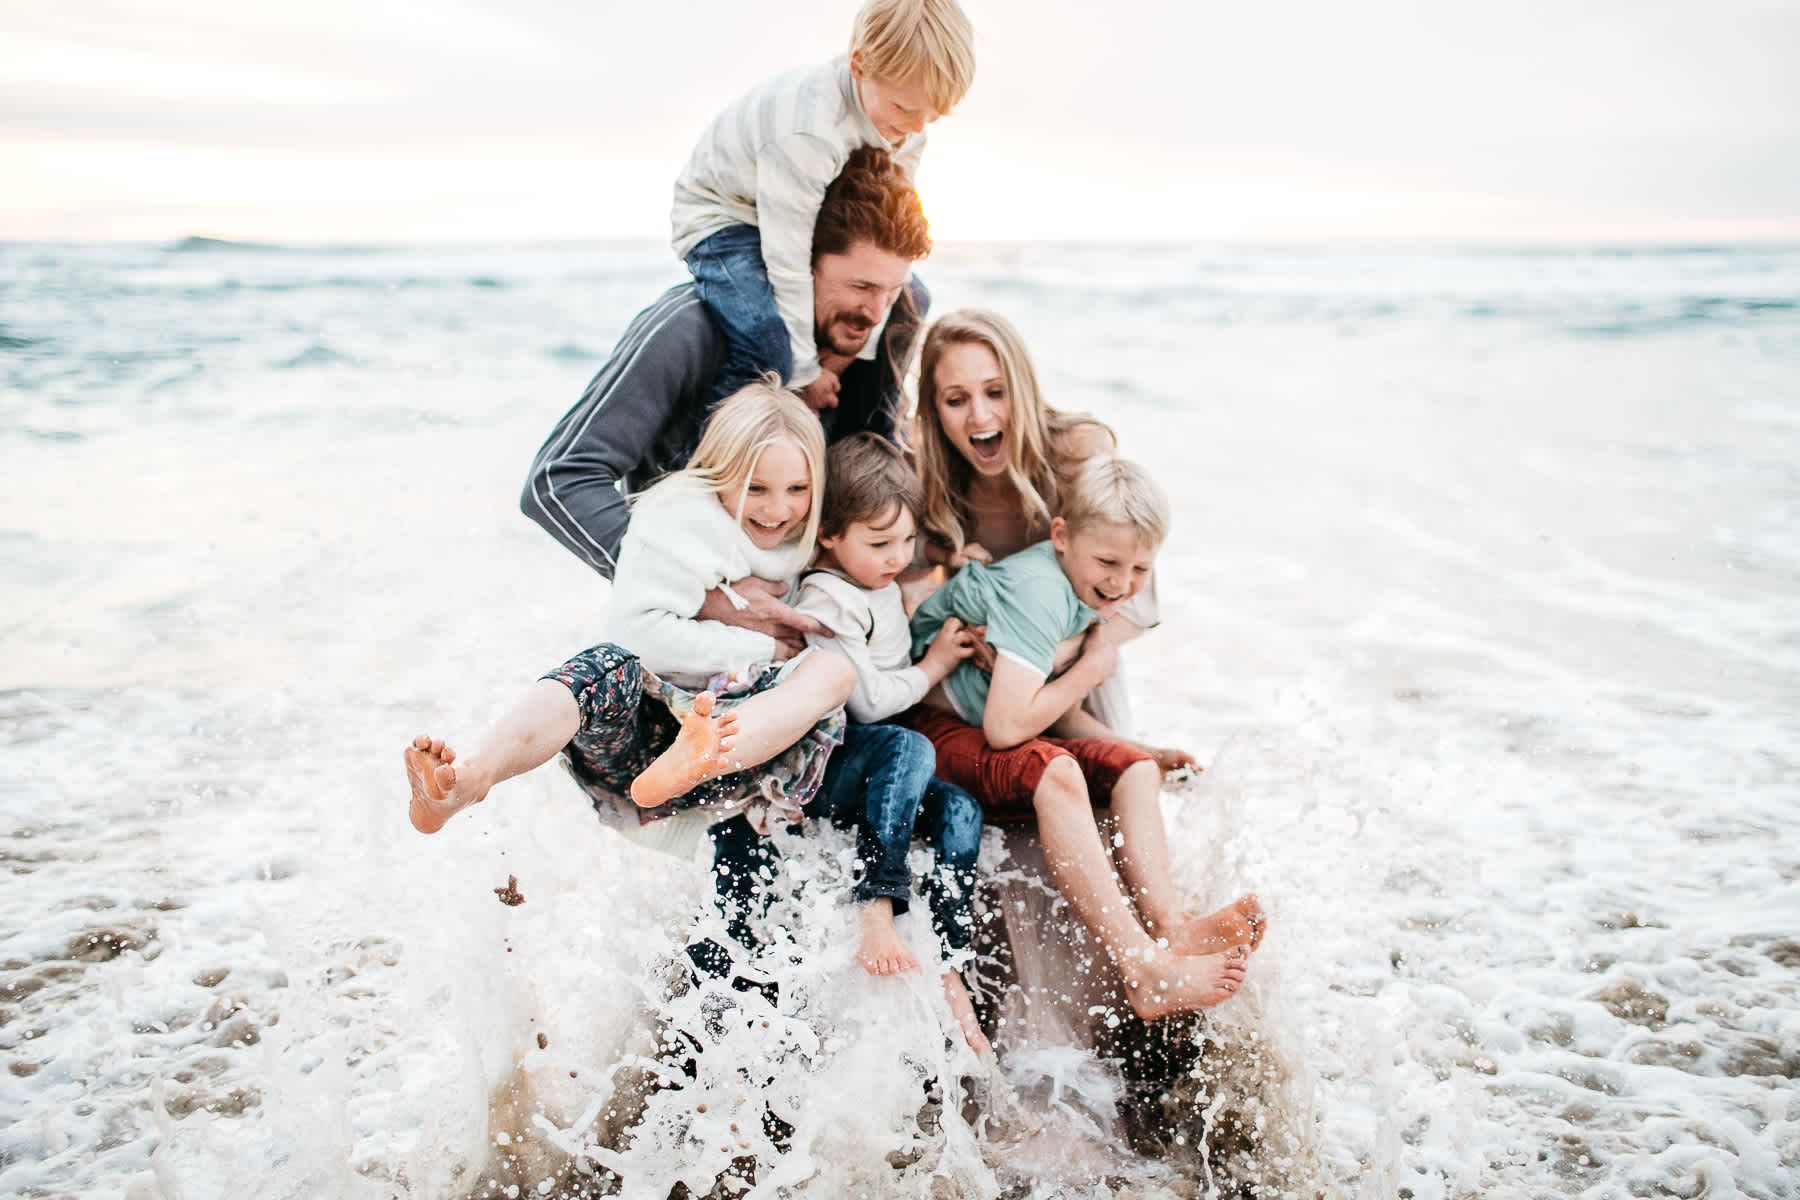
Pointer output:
x,y
821,393
971,552
984,654
952,644
1099,656
766,613
1171,759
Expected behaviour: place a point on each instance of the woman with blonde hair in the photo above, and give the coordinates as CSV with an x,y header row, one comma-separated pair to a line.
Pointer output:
x,y
995,461
998,466
993,457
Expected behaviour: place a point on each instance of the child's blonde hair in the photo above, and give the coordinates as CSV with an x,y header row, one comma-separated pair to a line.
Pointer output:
x,y
745,424
925,42
1111,490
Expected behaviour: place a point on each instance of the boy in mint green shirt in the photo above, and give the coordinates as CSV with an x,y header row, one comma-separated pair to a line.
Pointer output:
x,y
1026,603
1018,741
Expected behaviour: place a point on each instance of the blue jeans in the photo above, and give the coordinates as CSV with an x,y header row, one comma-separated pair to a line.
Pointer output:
x,y
880,782
730,277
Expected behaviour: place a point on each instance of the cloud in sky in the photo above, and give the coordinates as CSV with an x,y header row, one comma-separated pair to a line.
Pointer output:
x,y
518,118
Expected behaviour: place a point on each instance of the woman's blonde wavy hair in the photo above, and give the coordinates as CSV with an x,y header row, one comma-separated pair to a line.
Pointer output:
x,y
1036,461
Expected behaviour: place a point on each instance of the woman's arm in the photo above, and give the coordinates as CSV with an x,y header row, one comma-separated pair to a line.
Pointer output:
x,y
1078,722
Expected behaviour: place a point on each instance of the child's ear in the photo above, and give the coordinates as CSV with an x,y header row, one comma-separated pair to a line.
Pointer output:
x,y
828,541
857,70
1059,534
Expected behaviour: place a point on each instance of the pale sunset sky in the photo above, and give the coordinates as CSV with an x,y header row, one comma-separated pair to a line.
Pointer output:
x,y
388,120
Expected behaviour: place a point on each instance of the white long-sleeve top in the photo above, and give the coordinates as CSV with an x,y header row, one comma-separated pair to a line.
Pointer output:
x,y
681,543
766,161
871,631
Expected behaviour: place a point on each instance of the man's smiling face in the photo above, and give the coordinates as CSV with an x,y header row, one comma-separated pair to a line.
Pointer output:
x,y
852,292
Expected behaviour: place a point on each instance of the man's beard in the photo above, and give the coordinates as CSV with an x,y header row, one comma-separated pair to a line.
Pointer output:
x,y
843,335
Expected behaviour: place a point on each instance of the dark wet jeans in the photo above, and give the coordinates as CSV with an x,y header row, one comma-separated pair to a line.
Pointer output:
x,y
878,782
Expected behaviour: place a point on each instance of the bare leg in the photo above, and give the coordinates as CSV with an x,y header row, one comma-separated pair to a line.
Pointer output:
x,y
1143,861
769,722
964,1010
1157,981
766,724
529,735
1142,852
881,951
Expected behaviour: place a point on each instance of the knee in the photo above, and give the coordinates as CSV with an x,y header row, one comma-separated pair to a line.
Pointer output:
x,y
921,296
913,753
836,679
1061,786
1140,777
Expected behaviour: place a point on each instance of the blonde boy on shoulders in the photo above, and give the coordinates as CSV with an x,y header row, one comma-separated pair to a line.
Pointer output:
x,y
746,201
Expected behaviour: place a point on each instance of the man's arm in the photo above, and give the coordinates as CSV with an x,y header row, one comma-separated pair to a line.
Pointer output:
x,y
765,611
653,606
657,373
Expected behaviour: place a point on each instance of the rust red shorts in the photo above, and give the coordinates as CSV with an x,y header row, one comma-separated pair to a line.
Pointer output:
x,y
1004,780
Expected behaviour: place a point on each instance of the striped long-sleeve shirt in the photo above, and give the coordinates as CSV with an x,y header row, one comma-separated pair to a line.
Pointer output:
x,y
640,418
766,161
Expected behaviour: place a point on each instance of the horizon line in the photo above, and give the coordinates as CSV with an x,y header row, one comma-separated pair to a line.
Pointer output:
x,y
1696,239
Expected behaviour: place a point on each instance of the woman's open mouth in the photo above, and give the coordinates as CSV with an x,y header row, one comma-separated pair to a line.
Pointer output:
x,y
987,447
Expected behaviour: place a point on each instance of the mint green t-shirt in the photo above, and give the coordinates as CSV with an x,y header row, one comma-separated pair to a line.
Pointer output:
x,y
1028,607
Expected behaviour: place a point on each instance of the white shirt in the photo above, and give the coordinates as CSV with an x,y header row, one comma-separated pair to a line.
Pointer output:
x,y
872,633
682,543
766,161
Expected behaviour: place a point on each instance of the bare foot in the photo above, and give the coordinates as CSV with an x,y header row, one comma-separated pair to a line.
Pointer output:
x,y
1165,983
698,754
439,791
881,951
964,1010
1240,923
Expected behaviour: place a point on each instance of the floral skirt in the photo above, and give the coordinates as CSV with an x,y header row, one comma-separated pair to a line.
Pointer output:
x,y
629,716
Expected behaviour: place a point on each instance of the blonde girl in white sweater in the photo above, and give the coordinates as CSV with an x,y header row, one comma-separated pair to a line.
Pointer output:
x,y
679,714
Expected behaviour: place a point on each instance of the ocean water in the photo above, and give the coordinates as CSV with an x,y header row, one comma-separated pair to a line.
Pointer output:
x,y
1482,608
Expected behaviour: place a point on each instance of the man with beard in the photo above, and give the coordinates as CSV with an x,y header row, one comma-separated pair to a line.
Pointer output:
x,y
641,416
